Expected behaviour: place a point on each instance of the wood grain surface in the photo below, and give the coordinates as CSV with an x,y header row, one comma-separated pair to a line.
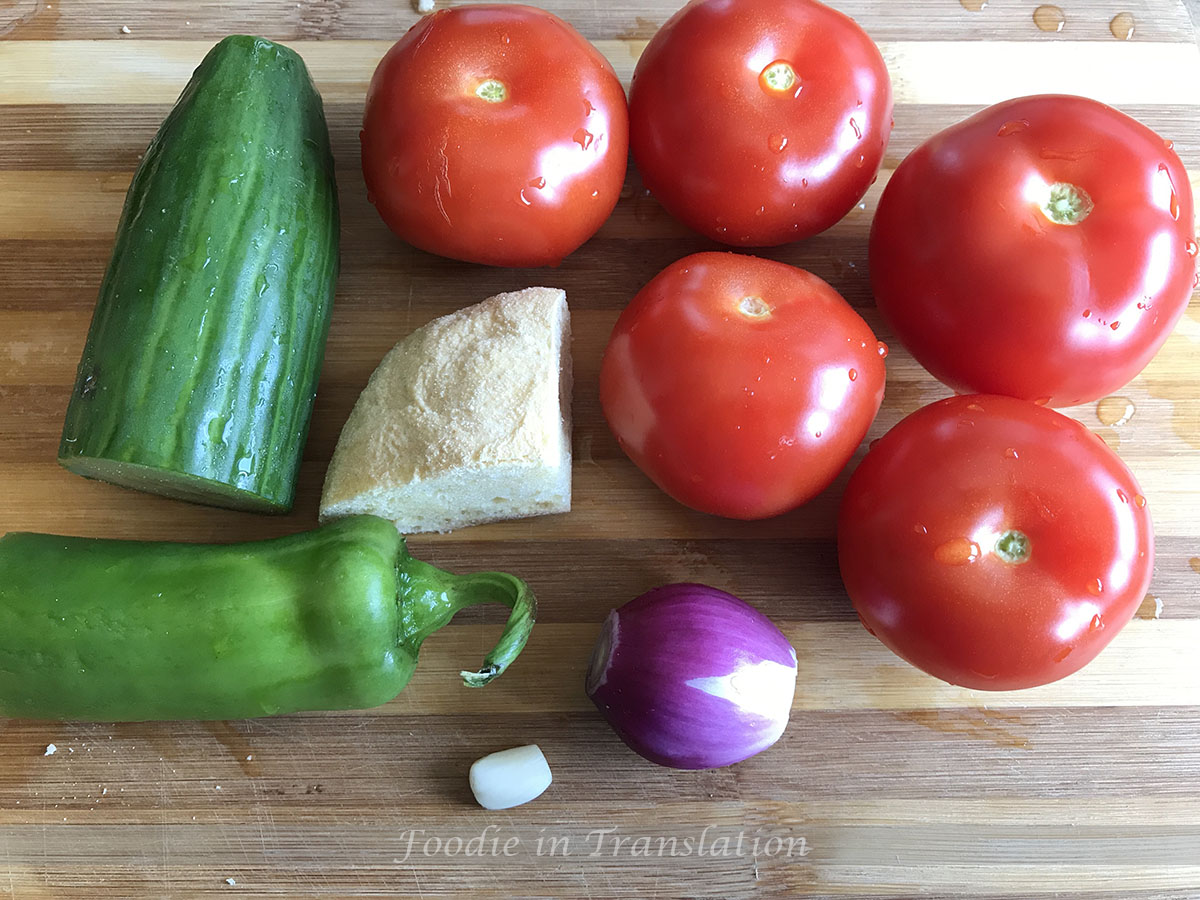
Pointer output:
x,y
886,784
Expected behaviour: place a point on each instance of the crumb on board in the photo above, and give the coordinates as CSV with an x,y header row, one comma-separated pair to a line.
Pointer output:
x,y
423,6
50,750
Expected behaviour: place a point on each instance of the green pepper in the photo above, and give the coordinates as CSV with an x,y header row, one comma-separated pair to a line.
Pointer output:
x,y
329,619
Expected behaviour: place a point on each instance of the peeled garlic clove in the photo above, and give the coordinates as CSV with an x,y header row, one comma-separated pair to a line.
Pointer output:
x,y
509,778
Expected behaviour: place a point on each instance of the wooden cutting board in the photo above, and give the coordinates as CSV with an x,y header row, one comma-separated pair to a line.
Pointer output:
x,y
887,783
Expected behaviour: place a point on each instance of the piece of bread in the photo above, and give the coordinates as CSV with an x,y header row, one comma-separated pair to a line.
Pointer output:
x,y
467,420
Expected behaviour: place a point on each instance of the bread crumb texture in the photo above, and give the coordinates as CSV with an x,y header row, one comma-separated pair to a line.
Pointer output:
x,y
476,401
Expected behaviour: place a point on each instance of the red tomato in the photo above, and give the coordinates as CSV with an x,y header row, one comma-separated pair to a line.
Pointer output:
x,y
762,121
994,543
495,134
1041,249
741,386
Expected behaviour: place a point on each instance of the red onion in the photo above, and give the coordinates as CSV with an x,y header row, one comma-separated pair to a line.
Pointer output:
x,y
693,678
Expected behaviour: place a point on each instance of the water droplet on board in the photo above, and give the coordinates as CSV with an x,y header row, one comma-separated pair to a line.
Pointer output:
x,y
1194,562
1012,127
957,552
973,5
1049,18
1151,608
1122,26
647,209
777,142
1115,411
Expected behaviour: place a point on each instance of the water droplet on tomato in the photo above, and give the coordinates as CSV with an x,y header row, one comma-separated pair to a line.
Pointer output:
x,y
1122,496
760,210
525,200
1097,623
588,109
1063,654
1191,248
595,194
1114,325
1087,313
1169,144
957,552
1139,501
1095,587
861,161
1012,127
803,182
1010,453
538,182
853,374
583,138
777,142
920,529
1042,401
857,130
882,349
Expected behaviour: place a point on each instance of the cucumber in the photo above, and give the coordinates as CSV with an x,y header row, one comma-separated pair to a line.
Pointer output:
x,y
200,369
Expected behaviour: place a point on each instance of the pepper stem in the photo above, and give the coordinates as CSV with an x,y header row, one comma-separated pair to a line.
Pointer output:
x,y
430,598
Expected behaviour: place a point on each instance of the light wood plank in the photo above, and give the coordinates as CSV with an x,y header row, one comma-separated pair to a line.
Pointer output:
x,y
154,71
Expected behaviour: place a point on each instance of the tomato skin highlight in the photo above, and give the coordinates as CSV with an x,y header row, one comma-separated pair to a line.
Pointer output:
x,y
743,162
920,549
741,386
992,295
495,134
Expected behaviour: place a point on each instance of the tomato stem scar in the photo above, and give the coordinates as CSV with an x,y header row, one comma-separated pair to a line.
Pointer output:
x,y
1067,204
1014,547
779,76
492,91
754,307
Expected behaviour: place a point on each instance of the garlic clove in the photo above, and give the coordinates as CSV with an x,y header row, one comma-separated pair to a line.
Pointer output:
x,y
509,778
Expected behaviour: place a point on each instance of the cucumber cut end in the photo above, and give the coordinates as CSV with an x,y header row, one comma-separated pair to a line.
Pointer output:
x,y
176,485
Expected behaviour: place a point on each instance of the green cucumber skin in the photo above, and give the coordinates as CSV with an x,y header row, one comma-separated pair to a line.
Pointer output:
x,y
200,368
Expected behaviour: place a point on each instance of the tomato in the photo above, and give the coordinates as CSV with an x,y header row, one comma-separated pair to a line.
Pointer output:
x,y
994,543
495,134
740,385
759,122
1041,249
